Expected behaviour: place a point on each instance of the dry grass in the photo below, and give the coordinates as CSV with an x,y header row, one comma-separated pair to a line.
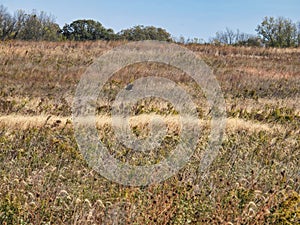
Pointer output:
x,y
45,180
22,122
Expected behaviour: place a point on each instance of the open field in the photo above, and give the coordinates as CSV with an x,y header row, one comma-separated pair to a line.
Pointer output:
x,y
44,179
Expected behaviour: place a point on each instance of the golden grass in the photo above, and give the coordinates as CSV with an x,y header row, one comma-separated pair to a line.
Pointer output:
x,y
23,122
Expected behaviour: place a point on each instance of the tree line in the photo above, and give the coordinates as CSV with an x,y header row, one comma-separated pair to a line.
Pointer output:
x,y
37,26
277,32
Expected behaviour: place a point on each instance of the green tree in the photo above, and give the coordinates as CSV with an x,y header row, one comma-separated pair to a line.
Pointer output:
x,y
81,30
278,32
32,29
140,33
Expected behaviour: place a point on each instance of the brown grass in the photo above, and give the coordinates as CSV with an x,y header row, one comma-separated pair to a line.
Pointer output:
x,y
44,178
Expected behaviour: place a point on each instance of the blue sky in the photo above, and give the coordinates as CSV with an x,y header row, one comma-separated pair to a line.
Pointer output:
x,y
188,18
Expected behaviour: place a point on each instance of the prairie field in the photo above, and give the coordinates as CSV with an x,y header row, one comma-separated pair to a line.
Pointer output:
x,y
44,179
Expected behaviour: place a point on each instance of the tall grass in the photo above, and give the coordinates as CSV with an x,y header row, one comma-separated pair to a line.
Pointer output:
x,y
45,180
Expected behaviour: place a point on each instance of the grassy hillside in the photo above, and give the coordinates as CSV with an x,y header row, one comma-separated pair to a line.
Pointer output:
x,y
45,180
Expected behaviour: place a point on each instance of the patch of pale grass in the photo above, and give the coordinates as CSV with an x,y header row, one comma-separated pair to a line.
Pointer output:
x,y
172,122
22,122
235,124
